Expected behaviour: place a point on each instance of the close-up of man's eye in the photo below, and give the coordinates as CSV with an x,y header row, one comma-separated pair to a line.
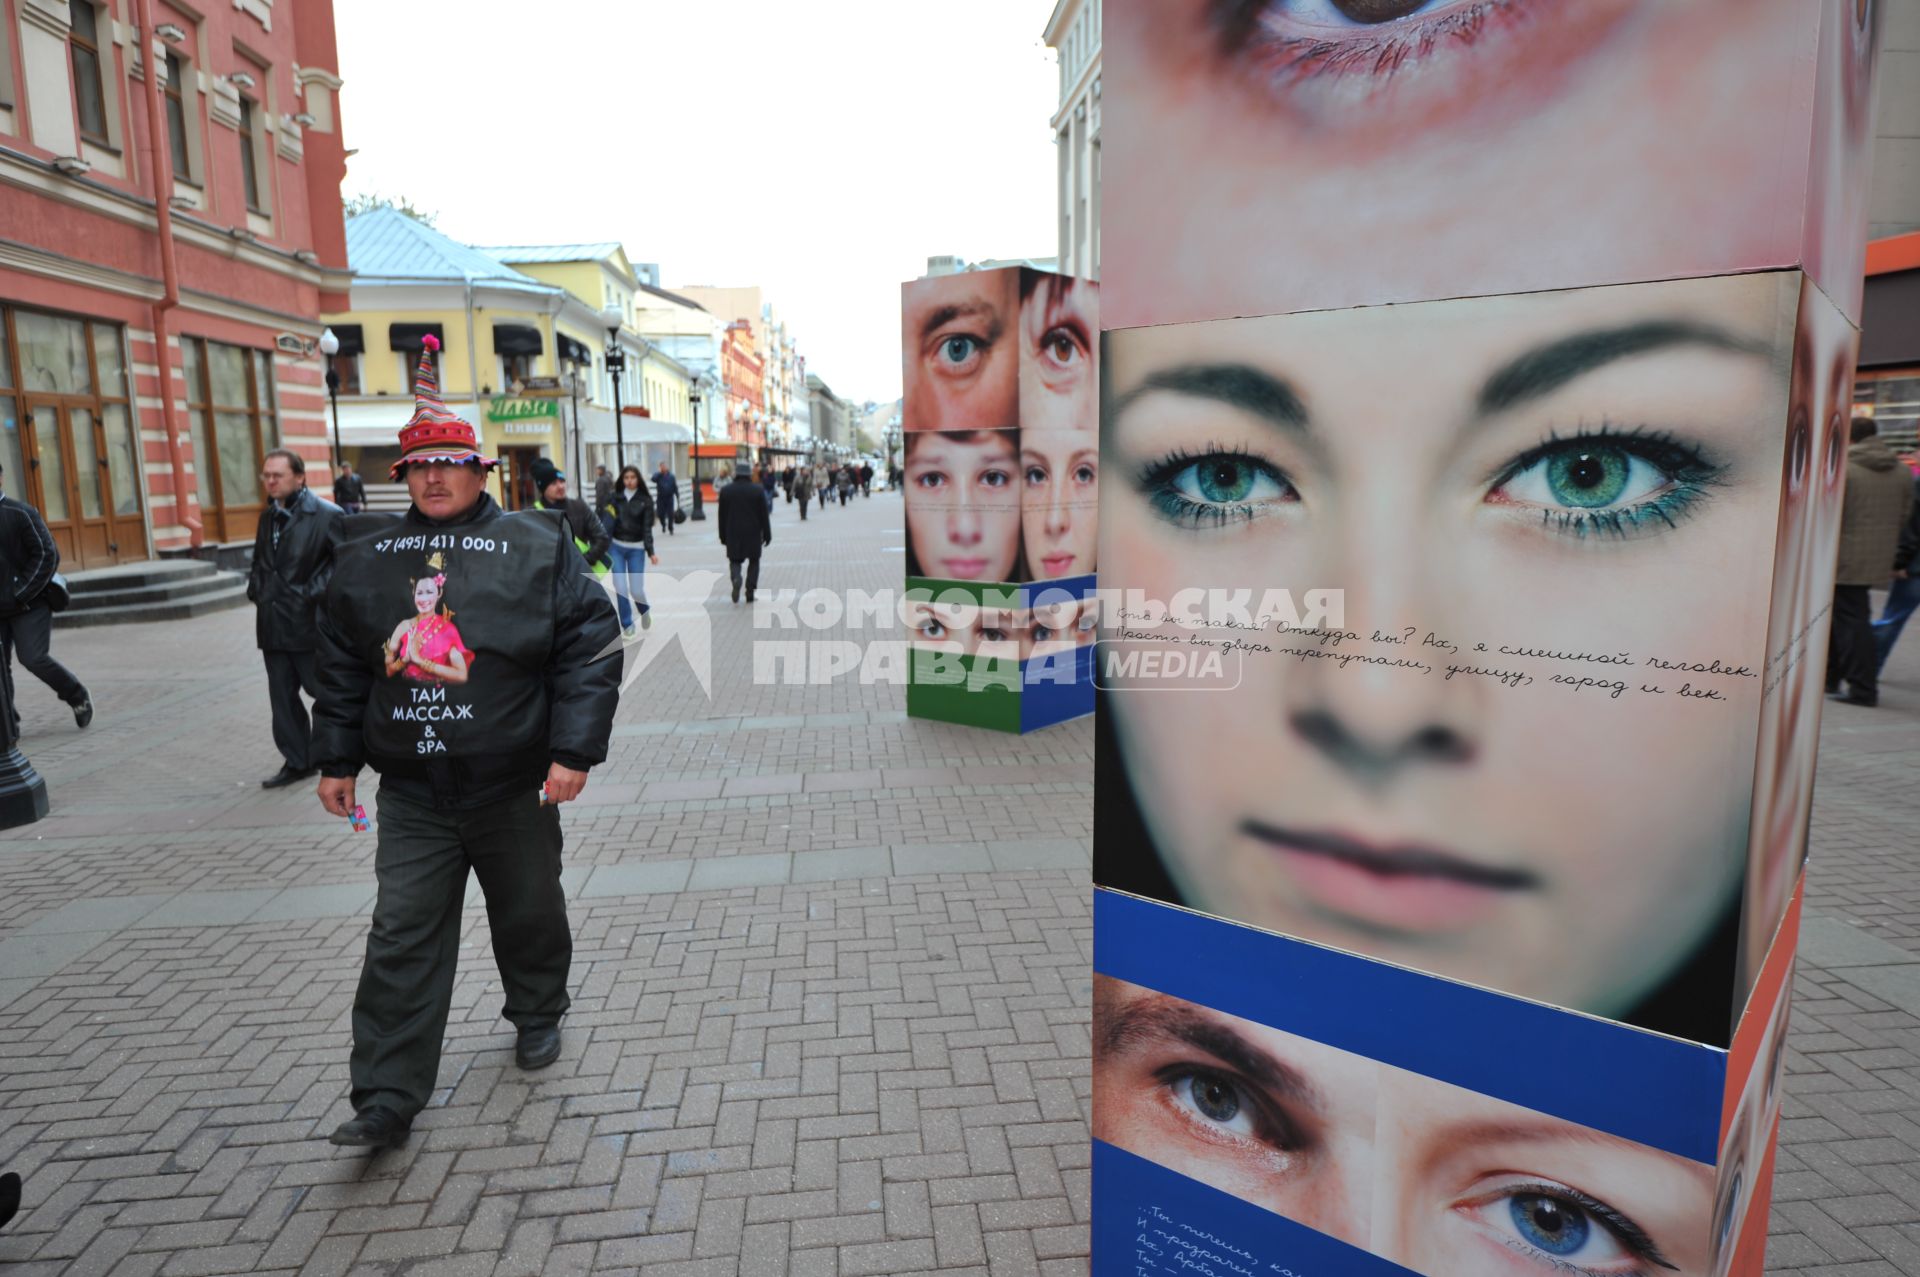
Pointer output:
x,y
995,478
930,479
959,353
1566,1230
1217,1100
1606,482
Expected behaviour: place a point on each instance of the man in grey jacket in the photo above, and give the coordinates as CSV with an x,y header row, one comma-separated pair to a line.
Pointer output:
x,y
1879,495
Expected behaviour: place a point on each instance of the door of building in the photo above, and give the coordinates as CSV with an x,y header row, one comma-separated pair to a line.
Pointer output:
x,y
68,455
516,478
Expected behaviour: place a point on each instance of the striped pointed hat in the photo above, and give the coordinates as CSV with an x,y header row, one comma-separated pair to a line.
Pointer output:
x,y
435,434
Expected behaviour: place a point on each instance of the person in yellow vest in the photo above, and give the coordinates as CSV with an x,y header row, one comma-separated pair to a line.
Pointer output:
x,y
589,534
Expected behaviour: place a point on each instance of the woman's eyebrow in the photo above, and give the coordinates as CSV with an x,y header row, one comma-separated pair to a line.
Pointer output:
x,y
1237,385
1545,368
1166,1020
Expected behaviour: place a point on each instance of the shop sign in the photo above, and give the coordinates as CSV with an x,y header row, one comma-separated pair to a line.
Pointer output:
x,y
524,416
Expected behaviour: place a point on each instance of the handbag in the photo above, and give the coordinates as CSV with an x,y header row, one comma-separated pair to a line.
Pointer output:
x,y
58,593
679,515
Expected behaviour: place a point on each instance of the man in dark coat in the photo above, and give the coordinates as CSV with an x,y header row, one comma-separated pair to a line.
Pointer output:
x,y
28,560
746,527
292,559
590,535
666,496
494,681
1879,496
349,490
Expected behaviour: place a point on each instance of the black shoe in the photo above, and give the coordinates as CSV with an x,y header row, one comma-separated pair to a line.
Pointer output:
x,y
537,1047
83,711
287,776
1855,698
376,1127
9,1197
736,591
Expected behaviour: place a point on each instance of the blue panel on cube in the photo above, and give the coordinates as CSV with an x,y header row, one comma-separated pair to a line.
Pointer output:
x,y
1149,1221
1640,1086
1056,688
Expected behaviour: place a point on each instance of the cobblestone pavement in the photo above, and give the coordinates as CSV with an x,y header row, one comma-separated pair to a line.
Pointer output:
x,y
832,974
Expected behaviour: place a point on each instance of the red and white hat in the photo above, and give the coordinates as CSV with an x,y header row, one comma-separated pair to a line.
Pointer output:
x,y
435,434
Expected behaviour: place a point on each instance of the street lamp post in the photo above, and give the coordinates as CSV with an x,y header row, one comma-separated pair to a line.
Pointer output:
x,y
616,368
330,346
699,506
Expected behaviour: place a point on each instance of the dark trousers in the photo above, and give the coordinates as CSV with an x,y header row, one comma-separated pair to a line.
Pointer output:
x,y
406,986
29,636
288,674
753,571
1850,651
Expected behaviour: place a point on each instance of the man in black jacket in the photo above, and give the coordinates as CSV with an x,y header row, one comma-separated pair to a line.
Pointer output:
x,y
589,531
666,496
291,562
349,490
28,560
491,683
745,527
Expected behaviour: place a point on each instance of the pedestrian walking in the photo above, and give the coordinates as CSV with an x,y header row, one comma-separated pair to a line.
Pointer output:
x,y
786,482
666,496
803,488
462,723
28,560
588,528
1903,597
292,561
602,487
866,479
630,509
349,489
767,484
1879,498
822,484
746,527
845,480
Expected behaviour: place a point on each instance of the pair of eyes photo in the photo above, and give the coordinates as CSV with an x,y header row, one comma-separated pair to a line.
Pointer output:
x,y
1598,482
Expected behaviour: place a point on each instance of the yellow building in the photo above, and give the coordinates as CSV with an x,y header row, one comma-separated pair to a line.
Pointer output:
x,y
655,389
508,343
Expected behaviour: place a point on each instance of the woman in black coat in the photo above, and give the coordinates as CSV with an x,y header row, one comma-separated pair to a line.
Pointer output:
x,y
629,513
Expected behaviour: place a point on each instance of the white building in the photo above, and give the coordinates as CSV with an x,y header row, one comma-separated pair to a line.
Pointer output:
x,y
1074,33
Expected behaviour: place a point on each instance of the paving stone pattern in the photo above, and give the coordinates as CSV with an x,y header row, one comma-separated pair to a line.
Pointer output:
x,y
832,987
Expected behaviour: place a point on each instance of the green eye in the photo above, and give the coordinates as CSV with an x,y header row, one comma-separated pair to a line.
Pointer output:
x,y
1589,478
1225,479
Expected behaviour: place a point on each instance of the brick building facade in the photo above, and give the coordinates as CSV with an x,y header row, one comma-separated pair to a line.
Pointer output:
x,y
197,210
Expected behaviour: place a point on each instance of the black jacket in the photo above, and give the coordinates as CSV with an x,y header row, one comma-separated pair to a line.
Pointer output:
x,y
631,518
1907,557
350,488
666,488
286,586
744,523
541,646
28,556
589,534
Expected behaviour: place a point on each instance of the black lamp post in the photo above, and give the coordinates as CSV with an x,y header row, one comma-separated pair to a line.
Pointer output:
x,y
330,346
616,368
699,506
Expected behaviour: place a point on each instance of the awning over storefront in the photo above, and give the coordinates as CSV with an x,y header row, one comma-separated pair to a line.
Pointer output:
x,y
596,425
352,339
375,423
413,336
517,339
571,351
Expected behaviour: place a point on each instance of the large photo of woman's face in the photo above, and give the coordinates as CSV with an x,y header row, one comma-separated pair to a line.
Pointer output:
x,y
960,351
1578,478
1441,1180
1745,1146
963,502
1268,156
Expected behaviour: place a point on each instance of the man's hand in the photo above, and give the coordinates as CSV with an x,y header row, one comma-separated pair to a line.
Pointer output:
x,y
336,795
564,784
654,559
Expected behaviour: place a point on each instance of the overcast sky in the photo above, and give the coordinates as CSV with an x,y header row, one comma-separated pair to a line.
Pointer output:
x,y
852,138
